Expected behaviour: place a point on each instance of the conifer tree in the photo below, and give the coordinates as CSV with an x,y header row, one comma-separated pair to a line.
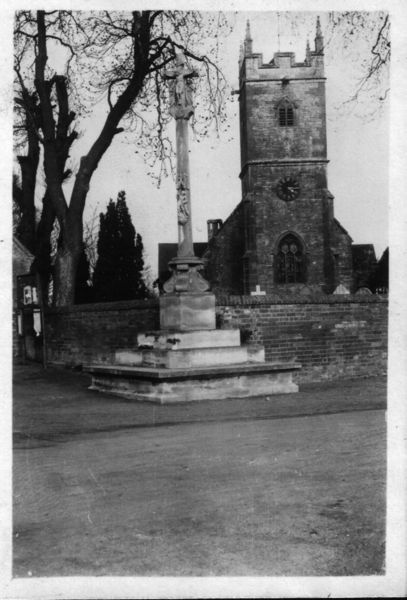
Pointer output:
x,y
118,271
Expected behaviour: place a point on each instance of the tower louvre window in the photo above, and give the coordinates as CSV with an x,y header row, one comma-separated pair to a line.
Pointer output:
x,y
286,115
290,264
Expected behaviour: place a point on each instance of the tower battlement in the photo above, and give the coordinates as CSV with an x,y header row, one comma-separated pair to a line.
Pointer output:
x,y
283,64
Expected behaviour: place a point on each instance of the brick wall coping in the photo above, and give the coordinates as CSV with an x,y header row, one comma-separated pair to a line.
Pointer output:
x,y
105,306
225,301
296,299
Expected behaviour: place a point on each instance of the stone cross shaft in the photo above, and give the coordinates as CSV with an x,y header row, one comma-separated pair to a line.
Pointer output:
x,y
181,109
185,276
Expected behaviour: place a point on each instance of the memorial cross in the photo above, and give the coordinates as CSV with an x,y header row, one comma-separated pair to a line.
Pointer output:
x,y
181,109
186,266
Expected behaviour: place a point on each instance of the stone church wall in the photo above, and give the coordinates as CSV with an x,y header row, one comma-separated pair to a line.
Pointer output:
x,y
264,134
224,256
343,257
332,337
308,219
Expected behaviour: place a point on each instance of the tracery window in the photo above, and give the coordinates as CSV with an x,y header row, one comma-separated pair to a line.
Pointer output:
x,y
290,265
286,114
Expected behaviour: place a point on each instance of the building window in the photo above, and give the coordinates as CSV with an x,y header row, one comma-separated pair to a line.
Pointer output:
x,y
286,115
290,264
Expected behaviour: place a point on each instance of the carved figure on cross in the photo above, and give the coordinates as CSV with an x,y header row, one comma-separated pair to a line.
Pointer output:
x,y
181,106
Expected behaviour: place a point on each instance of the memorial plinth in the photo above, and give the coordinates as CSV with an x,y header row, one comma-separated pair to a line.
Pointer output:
x,y
187,312
165,386
168,367
188,359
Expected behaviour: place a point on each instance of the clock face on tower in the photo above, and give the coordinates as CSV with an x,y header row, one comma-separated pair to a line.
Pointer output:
x,y
288,188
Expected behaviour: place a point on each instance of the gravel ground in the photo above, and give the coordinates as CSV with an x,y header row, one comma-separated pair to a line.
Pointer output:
x,y
284,485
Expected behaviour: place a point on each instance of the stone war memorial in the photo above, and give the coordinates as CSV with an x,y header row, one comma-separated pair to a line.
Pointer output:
x,y
189,358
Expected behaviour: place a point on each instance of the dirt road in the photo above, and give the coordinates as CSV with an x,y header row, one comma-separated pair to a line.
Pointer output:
x,y
107,487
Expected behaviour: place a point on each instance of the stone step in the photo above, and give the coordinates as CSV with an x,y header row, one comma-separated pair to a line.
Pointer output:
x,y
191,357
177,340
184,385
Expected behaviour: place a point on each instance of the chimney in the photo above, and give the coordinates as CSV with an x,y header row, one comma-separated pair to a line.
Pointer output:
x,y
214,226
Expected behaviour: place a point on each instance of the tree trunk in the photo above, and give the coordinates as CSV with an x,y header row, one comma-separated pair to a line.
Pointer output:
x,y
67,259
42,262
64,277
29,165
66,264
26,229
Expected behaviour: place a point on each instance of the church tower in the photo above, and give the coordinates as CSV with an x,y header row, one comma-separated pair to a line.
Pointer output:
x,y
291,239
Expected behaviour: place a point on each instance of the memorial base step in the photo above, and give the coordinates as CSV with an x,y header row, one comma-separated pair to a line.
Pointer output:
x,y
180,340
190,357
163,385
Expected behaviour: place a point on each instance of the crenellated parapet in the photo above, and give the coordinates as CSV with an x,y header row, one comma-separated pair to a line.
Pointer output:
x,y
283,65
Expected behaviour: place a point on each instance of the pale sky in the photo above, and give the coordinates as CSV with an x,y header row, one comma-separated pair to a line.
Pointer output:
x,y
357,150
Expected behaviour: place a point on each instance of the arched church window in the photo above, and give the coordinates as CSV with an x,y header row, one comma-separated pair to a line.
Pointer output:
x,y
290,265
286,114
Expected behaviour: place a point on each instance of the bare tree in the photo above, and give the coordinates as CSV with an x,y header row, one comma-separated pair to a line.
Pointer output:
x,y
353,37
374,29
122,57
28,126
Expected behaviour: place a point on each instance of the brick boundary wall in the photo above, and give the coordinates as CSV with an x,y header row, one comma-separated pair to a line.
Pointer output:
x,y
85,333
332,337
